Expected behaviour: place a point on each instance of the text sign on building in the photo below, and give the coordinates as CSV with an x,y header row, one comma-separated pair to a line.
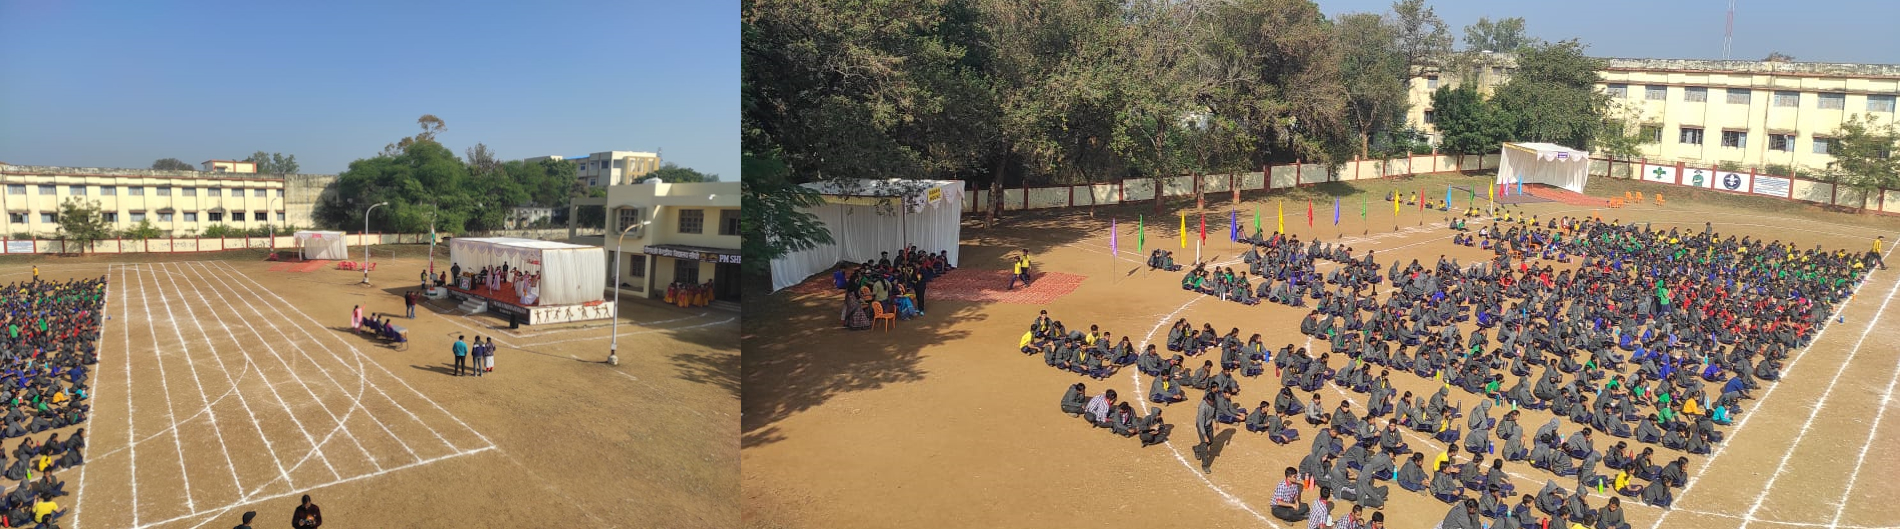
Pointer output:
x,y
710,257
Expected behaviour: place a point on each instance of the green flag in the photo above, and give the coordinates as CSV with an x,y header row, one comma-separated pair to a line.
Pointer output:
x,y
1141,234
1256,219
1362,208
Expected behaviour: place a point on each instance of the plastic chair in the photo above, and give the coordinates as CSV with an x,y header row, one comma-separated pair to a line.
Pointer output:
x,y
1639,196
878,314
1659,199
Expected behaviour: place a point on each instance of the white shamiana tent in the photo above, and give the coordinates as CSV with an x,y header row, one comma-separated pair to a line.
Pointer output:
x,y
322,245
571,274
866,217
1544,163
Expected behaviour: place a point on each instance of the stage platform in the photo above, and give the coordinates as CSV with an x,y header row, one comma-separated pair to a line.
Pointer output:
x,y
505,302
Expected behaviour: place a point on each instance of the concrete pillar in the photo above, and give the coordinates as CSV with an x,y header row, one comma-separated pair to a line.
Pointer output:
x,y
572,212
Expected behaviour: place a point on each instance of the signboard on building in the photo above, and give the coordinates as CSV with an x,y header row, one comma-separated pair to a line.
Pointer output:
x,y
1732,181
1659,173
1771,185
19,246
711,257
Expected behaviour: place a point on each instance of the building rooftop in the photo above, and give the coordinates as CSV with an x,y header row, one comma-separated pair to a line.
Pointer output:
x,y
1833,69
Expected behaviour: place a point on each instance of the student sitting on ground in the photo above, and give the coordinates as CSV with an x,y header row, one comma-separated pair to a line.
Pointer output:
x,y
1075,399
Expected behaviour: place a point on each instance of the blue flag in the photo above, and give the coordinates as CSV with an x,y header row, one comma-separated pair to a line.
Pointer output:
x,y
1233,225
1520,184
1335,211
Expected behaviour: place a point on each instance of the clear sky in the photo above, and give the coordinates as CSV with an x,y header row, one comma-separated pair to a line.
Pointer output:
x,y
1859,31
120,83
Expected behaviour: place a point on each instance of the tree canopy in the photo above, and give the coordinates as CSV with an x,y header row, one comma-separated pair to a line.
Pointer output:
x,y
1863,155
1553,96
172,164
1502,36
673,173
1467,122
81,222
274,163
425,181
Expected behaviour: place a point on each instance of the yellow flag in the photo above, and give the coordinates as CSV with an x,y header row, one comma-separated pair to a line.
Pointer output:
x,y
1395,203
1280,225
1184,229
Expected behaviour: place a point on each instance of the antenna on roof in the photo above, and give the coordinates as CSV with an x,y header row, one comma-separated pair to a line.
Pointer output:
x,y
1728,31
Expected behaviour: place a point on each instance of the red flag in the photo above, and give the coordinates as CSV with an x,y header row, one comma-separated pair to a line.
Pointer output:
x,y
1203,227
1421,200
1309,213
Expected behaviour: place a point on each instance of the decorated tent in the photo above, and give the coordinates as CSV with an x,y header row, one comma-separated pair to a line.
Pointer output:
x,y
322,245
1544,163
867,217
571,274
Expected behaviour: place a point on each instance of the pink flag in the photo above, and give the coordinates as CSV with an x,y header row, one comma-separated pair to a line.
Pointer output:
x,y
1112,247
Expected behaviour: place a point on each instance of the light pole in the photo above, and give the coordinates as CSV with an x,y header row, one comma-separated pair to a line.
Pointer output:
x,y
434,209
365,237
613,349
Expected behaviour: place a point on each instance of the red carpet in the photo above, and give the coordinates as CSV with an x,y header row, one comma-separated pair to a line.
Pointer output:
x,y
1559,194
298,266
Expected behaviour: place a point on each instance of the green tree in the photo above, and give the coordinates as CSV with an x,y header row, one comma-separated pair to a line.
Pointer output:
x,y
1424,40
1863,156
482,160
430,125
1467,122
1553,95
1623,134
771,220
274,163
81,223
172,164
1373,73
143,230
1503,36
673,173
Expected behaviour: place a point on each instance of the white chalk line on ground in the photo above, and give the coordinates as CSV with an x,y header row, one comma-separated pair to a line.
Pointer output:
x,y
359,477
105,309
525,335
1736,431
1230,498
130,442
184,348
1821,404
170,414
1860,461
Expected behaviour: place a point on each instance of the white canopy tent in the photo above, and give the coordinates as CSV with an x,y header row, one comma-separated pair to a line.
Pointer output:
x,y
322,245
1544,163
867,217
570,273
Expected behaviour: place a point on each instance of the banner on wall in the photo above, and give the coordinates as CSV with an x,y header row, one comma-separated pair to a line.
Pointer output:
x,y
1732,181
1659,173
1697,177
19,246
1771,185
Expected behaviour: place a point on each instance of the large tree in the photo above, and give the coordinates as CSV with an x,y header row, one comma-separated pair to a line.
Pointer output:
x,y
771,220
1467,122
172,164
482,160
1424,39
431,126
1553,96
1505,35
81,223
1863,156
671,172
1373,72
274,163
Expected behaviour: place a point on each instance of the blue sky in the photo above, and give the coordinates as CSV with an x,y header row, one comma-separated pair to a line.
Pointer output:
x,y
1814,30
123,83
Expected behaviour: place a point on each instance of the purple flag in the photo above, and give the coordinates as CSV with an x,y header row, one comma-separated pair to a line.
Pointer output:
x,y
1113,249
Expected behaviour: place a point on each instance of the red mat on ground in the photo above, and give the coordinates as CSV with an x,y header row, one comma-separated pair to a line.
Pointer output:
x,y
963,284
505,295
1559,194
298,266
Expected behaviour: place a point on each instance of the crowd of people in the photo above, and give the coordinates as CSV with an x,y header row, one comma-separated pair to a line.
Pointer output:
x,y
1656,338
496,278
688,295
52,332
888,285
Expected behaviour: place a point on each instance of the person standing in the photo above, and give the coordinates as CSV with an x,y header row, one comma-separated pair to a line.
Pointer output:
x,y
488,355
1872,257
1204,433
461,354
307,515
36,270
425,278
409,302
356,318
248,516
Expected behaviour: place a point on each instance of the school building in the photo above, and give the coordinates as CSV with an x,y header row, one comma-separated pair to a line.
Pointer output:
x,y
1747,113
178,203
675,232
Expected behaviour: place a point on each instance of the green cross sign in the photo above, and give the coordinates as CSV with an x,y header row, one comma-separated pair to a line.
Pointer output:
x,y
1659,172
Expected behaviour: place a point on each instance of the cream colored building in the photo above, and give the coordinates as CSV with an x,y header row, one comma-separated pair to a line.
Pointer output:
x,y
229,166
179,203
685,232
610,168
1747,113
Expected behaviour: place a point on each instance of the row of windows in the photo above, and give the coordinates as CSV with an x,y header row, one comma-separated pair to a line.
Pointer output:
x,y
694,221
1742,96
163,191
1737,139
190,216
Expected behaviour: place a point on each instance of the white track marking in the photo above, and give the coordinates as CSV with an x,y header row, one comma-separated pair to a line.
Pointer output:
x,y
1820,404
1860,461
170,414
105,305
648,331
210,514
1737,430
131,444
191,366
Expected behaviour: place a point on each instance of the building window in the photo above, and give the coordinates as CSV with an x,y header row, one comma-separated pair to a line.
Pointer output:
x,y
280,216
189,191
48,217
692,220
1832,102
237,216
636,265
1655,92
1653,133
257,193
216,216
191,216
1789,99
1738,96
1781,142
593,182
111,216
258,216
1690,136
1429,118
1734,138
214,191
728,222
164,191
17,218
164,217
1821,145
686,271
136,191
1431,82
280,193
138,217
1618,91
108,190
16,189
48,189
1497,70
628,217
1695,94
77,190
1880,103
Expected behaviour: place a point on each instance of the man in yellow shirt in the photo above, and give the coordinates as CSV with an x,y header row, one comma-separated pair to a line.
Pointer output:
x,y
1020,270
1874,256
45,507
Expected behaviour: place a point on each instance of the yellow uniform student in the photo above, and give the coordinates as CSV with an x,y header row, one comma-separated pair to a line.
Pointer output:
x,y
43,508
1027,337
1689,407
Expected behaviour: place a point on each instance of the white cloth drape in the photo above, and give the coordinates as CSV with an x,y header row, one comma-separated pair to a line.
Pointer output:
x,y
860,230
322,245
1544,163
570,273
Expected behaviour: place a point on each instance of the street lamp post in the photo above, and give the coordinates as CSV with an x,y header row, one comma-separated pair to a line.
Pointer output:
x,y
613,349
365,237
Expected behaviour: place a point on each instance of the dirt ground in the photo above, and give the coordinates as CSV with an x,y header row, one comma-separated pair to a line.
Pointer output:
x,y
225,387
942,420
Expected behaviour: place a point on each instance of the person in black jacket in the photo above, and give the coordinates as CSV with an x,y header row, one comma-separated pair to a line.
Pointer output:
x,y
307,515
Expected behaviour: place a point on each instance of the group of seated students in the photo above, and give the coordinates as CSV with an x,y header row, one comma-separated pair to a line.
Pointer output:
x,y
1095,354
1105,411
1162,260
688,295
380,327
1683,324
897,285
51,336
1430,203
1221,283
